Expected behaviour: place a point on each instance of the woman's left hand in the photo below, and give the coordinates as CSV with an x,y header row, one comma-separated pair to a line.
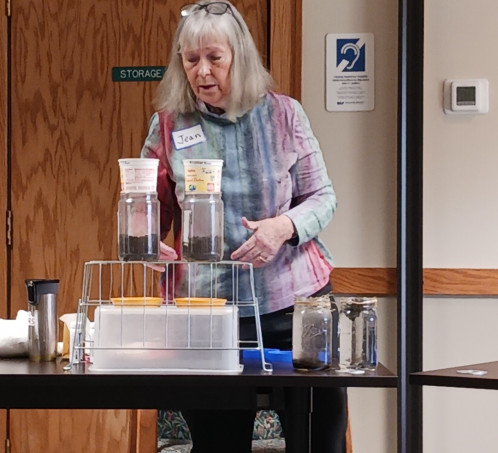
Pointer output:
x,y
269,235
166,253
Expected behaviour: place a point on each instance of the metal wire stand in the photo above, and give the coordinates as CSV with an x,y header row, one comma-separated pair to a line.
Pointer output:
x,y
166,316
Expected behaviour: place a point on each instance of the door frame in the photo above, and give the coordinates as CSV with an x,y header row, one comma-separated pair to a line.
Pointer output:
x,y
285,41
4,192
4,156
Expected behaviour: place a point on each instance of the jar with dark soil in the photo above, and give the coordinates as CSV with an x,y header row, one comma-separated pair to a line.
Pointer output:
x,y
139,248
138,227
312,333
203,224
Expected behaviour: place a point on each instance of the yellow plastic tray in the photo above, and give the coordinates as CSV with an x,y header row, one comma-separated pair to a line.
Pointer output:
x,y
137,301
199,302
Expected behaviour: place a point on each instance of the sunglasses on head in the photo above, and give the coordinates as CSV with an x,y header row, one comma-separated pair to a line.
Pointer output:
x,y
216,8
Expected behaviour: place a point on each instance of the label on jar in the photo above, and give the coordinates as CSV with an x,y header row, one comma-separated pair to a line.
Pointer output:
x,y
203,176
138,175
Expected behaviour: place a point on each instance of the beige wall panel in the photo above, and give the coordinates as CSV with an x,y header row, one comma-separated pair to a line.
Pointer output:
x,y
360,152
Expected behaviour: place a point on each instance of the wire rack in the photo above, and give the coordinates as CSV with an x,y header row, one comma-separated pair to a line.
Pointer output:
x,y
174,316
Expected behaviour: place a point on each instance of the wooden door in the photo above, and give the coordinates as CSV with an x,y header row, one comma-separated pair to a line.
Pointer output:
x,y
75,431
69,125
70,122
3,191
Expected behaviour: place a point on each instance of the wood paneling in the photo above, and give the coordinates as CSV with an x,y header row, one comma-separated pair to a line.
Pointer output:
x,y
364,281
146,431
255,14
3,162
3,429
285,41
70,124
437,282
461,282
75,431
3,192
73,123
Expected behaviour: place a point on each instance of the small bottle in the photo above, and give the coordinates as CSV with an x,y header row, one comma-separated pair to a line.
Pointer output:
x,y
312,331
358,333
202,227
138,227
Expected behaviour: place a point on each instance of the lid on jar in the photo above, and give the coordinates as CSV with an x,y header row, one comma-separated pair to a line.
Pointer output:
x,y
202,175
365,302
314,301
138,175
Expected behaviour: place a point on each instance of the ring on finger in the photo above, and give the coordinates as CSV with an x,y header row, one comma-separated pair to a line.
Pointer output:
x,y
263,259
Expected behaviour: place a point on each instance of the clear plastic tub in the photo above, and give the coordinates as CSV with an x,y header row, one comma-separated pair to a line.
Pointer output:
x,y
166,338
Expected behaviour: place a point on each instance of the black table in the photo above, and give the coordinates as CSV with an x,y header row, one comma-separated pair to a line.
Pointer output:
x,y
28,385
452,377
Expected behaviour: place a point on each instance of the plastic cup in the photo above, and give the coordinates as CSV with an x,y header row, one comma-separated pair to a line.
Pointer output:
x,y
202,175
138,175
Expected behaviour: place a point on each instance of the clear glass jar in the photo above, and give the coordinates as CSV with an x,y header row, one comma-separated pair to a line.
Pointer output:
x,y
138,227
202,227
312,332
358,332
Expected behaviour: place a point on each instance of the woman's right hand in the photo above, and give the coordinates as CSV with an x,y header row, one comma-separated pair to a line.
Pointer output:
x,y
268,237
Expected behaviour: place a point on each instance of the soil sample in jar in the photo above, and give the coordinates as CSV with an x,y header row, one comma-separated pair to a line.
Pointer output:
x,y
138,248
203,249
312,333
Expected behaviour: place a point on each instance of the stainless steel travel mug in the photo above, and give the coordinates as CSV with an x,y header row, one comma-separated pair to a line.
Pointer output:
x,y
43,321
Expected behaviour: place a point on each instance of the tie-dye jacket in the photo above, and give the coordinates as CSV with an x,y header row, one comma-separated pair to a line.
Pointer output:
x,y
272,165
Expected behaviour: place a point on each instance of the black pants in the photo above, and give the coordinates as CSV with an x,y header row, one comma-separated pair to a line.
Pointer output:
x,y
229,431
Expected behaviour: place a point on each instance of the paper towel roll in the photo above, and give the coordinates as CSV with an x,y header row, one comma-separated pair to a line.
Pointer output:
x,y
14,335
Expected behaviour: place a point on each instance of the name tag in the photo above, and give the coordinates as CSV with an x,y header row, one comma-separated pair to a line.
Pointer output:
x,y
188,137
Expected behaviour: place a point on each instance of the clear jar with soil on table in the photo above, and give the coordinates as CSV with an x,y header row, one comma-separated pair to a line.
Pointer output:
x,y
312,333
138,220
202,211
138,210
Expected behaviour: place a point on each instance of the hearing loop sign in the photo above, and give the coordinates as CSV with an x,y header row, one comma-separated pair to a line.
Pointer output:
x,y
349,72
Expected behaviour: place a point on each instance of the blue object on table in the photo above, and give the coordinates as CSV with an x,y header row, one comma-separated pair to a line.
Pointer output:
x,y
276,355
271,355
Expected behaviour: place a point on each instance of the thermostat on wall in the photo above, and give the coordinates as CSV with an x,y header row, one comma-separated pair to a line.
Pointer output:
x,y
467,96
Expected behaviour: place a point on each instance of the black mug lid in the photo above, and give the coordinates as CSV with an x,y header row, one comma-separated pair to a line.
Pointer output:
x,y
39,287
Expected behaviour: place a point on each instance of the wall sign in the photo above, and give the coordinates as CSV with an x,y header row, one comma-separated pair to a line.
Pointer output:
x,y
349,72
137,73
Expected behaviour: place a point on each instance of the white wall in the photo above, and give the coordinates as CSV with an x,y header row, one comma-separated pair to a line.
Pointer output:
x,y
460,156
460,220
360,153
458,332
359,147
460,193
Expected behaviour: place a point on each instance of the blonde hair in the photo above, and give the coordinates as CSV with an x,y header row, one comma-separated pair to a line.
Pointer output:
x,y
249,78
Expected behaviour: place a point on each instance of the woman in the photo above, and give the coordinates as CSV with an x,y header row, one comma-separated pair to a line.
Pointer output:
x,y
276,192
